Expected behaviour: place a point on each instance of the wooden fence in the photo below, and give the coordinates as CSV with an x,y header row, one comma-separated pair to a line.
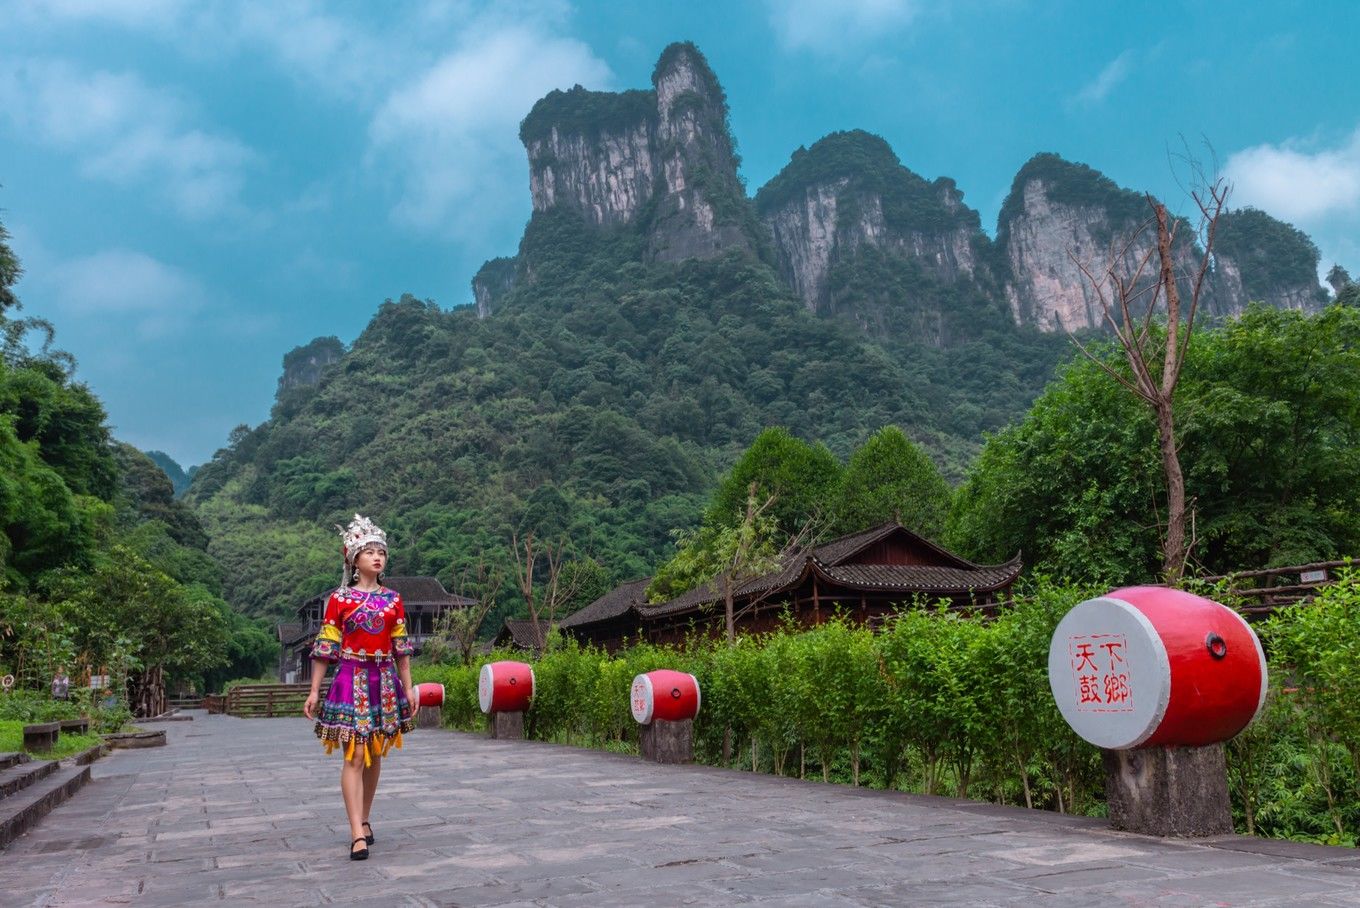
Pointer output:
x,y
1272,588
266,701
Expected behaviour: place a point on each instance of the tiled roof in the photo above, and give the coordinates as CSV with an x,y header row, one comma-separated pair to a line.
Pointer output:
x,y
927,578
424,591
291,632
520,632
613,604
826,558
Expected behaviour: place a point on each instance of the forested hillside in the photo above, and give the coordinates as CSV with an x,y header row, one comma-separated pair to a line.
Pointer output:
x,y
652,322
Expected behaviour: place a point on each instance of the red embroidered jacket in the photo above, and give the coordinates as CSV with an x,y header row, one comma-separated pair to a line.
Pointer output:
x,y
359,625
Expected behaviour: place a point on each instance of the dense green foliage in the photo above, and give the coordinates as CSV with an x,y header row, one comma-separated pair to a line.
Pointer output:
x,y
1272,256
587,113
1269,426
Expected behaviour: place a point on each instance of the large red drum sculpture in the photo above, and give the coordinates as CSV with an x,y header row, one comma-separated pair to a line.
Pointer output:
x,y
428,694
505,687
664,694
1146,665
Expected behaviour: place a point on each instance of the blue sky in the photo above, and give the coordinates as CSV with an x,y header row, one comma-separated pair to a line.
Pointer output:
x,y
195,188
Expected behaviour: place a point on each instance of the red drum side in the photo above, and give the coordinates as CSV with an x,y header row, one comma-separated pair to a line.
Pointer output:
x,y
1218,668
665,694
505,687
428,694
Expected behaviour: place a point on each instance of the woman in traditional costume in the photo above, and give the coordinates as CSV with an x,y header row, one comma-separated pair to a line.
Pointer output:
x,y
366,710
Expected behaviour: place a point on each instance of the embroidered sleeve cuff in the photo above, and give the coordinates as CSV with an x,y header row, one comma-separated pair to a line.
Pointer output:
x,y
326,649
403,646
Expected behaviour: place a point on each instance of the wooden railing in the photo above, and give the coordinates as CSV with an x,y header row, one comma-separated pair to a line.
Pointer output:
x,y
1271,588
266,701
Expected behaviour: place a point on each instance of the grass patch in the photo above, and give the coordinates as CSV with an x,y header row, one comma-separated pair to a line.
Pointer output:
x,y
12,739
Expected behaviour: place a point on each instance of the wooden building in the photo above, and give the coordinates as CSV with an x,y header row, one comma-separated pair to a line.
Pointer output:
x,y
613,620
423,598
518,633
864,576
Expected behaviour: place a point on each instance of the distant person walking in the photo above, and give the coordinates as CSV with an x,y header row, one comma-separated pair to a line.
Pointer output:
x,y
366,710
61,685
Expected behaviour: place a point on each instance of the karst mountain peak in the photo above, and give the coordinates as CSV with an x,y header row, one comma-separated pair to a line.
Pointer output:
x,y
661,163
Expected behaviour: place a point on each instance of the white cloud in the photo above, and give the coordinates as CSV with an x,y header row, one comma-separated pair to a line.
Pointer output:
x,y
1115,72
450,135
123,286
1296,184
124,131
837,27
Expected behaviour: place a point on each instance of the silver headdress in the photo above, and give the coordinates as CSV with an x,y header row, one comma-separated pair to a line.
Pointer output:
x,y
361,532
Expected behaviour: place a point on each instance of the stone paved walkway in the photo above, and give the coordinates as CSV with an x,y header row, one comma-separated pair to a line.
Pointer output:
x,y
248,810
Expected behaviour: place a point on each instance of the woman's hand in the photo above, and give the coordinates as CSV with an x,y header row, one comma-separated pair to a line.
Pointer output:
x,y
309,708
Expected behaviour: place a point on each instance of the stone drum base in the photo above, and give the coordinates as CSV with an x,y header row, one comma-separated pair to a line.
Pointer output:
x,y
506,725
1169,791
429,717
663,741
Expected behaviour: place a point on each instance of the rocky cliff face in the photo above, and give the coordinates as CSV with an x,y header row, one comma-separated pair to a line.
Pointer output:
x,y
302,366
848,193
850,230
662,160
1061,215
1259,259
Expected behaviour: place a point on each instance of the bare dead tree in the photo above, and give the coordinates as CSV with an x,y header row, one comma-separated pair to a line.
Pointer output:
x,y
1155,357
529,553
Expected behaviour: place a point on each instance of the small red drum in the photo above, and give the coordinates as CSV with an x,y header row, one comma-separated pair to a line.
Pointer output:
x,y
1148,665
664,694
428,694
505,687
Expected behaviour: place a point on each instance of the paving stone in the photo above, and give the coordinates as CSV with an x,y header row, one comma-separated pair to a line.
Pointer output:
x,y
249,812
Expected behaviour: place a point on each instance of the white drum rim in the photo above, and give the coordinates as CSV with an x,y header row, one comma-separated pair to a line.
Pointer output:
x,y
1163,664
486,683
533,684
698,695
645,680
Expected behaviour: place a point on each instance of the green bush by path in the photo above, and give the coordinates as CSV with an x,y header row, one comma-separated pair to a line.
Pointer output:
x,y
938,702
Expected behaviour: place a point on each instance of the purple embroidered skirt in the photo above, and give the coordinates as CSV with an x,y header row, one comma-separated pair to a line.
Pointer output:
x,y
366,706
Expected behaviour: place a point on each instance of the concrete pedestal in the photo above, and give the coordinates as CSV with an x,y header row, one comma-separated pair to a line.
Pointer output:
x,y
1169,791
663,741
507,725
429,717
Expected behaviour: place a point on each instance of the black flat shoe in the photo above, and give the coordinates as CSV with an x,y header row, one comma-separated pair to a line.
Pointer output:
x,y
368,838
358,855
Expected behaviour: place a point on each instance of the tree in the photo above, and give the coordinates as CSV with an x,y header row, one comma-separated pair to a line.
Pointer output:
x,y
1155,357
1270,434
799,480
891,478
560,586
10,271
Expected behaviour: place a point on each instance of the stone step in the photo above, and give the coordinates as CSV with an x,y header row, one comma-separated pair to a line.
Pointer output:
x,y
13,759
19,812
17,778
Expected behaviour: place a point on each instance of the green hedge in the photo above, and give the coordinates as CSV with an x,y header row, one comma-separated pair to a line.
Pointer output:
x,y
940,703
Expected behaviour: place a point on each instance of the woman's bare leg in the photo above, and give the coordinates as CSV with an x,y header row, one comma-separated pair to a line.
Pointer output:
x,y
371,774
352,788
